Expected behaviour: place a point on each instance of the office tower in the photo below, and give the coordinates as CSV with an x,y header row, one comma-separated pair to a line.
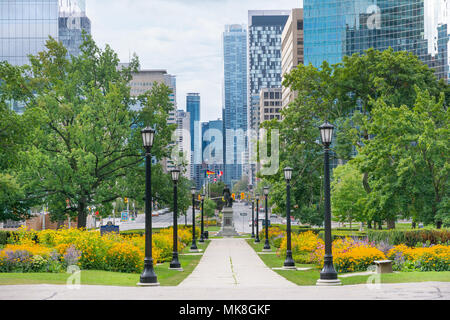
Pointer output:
x,y
270,104
291,50
193,107
336,28
26,25
183,140
264,69
212,150
71,24
235,100
143,81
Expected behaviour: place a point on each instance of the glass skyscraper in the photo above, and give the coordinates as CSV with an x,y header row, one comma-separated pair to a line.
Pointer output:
x,y
235,100
334,28
71,23
193,107
212,149
264,68
25,26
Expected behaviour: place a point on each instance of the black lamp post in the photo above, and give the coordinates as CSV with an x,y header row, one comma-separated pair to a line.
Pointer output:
x,y
266,243
194,245
257,217
175,264
250,187
328,275
202,237
148,276
289,262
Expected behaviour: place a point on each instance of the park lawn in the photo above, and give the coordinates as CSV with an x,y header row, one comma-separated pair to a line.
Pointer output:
x,y
310,277
165,276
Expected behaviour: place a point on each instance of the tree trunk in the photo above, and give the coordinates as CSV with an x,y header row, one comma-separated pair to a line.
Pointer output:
x,y
59,224
369,224
438,224
391,223
81,223
413,224
380,225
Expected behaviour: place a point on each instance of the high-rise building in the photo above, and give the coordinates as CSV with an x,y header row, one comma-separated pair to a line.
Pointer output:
x,y
71,24
334,28
264,70
143,81
270,104
193,107
212,150
291,50
235,100
26,25
183,140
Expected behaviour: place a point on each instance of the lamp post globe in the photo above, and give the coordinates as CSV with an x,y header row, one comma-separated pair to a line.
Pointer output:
x,y
266,242
175,263
202,235
194,244
328,275
289,261
257,219
148,276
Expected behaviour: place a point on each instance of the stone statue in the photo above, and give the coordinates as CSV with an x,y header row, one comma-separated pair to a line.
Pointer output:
x,y
227,196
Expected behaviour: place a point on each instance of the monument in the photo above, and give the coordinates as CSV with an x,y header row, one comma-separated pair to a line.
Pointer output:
x,y
227,219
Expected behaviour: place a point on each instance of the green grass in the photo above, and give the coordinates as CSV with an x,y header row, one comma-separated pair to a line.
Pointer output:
x,y
165,276
310,277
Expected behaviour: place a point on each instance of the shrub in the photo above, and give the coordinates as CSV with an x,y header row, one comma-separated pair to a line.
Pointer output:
x,y
301,245
410,237
432,258
125,257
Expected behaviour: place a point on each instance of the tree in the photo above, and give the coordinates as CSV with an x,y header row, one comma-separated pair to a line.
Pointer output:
x,y
407,158
86,145
348,196
241,185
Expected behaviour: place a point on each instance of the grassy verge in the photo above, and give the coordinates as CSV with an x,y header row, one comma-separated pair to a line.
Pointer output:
x,y
165,276
309,277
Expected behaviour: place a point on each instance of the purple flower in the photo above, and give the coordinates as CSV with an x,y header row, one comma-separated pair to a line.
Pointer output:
x,y
72,256
18,256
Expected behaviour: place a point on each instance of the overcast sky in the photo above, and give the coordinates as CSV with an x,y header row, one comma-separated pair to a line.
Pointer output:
x,y
182,36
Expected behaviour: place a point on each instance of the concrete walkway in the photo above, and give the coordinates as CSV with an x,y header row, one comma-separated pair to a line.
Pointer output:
x,y
232,263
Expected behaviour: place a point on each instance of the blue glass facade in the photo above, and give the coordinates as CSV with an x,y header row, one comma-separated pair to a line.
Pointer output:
x,y
72,22
212,149
235,100
193,107
334,28
25,25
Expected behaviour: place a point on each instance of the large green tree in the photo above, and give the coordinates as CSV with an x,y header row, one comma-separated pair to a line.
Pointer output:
x,y
408,159
343,94
85,145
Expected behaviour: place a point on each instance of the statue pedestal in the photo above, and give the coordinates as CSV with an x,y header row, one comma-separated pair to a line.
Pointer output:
x,y
227,224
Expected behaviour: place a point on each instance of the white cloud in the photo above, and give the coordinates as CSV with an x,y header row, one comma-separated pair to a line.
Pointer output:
x,y
182,36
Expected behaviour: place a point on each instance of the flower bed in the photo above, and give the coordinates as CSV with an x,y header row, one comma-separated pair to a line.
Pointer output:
x,y
432,258
350,255
51,250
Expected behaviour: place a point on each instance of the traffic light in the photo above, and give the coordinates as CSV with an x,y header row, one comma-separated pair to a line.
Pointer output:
x,y
199,198
242,195
233,196
125,200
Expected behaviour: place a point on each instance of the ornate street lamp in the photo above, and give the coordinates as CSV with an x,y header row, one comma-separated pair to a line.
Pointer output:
x,y
175,264
257,217
288,262
148,276
328,275
250,188
194,245
202,239
266,243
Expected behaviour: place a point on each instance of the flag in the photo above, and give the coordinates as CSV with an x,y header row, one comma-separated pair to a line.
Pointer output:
x,y
215,179
220,173
210,172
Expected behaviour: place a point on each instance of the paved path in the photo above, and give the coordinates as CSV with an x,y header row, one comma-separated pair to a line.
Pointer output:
x,y
232,263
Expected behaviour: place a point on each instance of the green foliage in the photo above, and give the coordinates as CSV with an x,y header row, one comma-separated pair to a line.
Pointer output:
x,y
409,237
84,143
348,196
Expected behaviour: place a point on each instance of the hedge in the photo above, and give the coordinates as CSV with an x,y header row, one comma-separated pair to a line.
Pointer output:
x,y
410,237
